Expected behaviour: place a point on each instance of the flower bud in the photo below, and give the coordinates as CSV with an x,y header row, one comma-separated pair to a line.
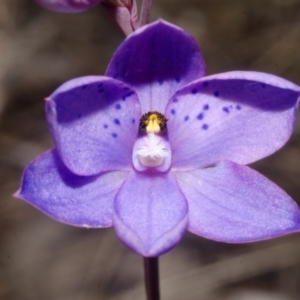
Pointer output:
x,y
68,6
124,13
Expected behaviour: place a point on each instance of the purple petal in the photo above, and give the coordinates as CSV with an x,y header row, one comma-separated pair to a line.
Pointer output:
x,y
235,204
239,116
156,61
94,123
77,200
150,213
68,6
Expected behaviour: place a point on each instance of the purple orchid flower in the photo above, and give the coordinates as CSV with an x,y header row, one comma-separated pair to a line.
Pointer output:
x,y
154,148
68,6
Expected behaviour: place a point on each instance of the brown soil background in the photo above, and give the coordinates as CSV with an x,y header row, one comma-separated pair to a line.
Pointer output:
x,y
44,260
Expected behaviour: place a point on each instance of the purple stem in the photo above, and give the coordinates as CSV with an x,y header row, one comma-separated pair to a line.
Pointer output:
x,y
151,278
145,12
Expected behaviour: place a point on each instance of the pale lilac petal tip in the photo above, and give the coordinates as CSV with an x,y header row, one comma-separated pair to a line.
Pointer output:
x,y
156,61
68,6
150,213
235,204
94,123
81,201
238,116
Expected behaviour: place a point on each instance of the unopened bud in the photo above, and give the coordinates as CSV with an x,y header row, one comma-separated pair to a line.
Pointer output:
x,y
68,6
123,12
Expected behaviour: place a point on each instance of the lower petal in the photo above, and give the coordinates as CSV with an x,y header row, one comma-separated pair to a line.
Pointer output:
x,y
235,204
85,201
150,213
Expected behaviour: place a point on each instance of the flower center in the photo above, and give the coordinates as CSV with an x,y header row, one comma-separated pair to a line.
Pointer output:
x,y
153,122
152,149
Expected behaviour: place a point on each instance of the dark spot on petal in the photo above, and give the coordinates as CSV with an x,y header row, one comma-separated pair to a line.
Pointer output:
x,y
105,126
238,107
204,126
117,121
175,100
194,91
125,88
206,107
79,116
177,79
118,106
132,121
186,118
200,116
205,83
100,91
226,109
100,85
114,135
173,111
161,82
127,95
84,86
263,85
216,93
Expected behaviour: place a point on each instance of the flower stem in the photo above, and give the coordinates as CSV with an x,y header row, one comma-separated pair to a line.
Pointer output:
x,y
145,12
151,278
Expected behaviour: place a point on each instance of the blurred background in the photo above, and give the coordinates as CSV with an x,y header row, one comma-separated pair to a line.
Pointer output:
x,y
42,259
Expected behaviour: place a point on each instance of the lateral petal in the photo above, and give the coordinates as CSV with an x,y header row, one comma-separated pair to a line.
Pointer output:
x,y
94,123
85,201
235,204
237,116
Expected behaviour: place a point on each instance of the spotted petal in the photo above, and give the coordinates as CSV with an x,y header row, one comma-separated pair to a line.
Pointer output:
x,y
94,123
85,201
150,213
233,203
239,116
156,61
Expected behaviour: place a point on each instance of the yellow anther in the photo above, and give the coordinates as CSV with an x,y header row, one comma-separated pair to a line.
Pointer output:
x,y
153,122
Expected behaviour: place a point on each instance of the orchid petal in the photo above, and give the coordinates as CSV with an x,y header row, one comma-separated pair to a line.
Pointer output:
x,y
235,204
85,201
68,6
94,123
156,61
239,116
150,213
